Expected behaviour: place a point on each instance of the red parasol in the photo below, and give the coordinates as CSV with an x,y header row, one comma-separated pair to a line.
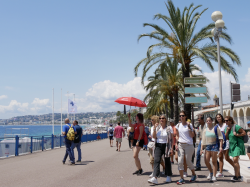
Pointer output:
x,y
131,101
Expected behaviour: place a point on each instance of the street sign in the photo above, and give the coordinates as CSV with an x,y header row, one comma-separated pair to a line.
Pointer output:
x,y
195,90
195,99
195,80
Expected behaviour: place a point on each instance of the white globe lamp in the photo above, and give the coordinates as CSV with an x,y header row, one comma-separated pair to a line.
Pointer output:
x,y
216,16
212,32
219,23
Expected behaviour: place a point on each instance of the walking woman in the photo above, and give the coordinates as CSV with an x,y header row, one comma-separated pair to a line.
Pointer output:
x,y
163,146
236,144
210,140
184,146
138,140
151,145
219,120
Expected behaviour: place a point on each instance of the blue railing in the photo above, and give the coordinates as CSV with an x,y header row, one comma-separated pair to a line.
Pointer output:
x,y
14,146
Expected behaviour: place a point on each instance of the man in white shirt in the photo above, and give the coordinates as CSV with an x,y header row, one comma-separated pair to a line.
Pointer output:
x,y
110,135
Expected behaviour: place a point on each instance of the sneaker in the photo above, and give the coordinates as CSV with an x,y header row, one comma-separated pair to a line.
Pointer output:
x,y
234,179
219,174
240,178
153,180
198,169
193,178
63,162
78,161
163,173
181,181
140,172
185,174
72,163
150,176
168,179
172,162
214,179
209,177
136,172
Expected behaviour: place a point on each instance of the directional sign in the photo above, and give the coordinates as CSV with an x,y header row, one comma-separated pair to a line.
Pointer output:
x,y
195,80
195,90
195,99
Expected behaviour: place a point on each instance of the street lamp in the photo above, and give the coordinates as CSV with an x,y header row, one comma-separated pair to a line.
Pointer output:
x,y
219,24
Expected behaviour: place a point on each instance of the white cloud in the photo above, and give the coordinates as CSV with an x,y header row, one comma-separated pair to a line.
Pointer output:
x,y
8,88
3,97
14,106
247,76
38,101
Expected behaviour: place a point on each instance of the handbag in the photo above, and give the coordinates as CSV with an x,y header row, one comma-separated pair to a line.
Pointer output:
x,y
151,145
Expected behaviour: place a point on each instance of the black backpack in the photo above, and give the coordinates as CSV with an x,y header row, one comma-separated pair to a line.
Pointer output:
x,y
111,131
77,137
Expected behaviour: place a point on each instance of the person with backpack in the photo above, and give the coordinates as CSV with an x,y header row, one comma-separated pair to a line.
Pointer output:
x,y
138,140
118,132
77,142
212,140
184,146
111,135
220,123
163,146
145,148
69,132
235,135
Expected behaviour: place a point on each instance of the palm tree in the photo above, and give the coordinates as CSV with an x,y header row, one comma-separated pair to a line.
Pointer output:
x,y
185,45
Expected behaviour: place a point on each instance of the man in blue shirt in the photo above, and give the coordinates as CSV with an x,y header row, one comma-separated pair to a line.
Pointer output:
x,y
68,143
77,142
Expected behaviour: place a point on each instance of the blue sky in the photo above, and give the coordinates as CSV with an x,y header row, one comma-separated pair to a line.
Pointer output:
x,y
90,48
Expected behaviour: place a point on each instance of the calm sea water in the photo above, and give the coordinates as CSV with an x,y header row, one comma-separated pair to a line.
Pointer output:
x,y
32,130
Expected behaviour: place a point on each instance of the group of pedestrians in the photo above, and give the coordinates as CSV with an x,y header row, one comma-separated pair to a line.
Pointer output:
x,y
118,132
72,138
219,138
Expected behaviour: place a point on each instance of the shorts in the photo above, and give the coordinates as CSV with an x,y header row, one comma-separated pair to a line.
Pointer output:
x,y
131,135
248,149
119,139
140,143
212,147
111,137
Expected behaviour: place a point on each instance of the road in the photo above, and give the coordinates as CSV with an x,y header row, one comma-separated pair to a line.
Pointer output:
x,y
101,166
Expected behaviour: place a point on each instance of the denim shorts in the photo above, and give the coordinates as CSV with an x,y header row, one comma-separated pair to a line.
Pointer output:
x,y
212,147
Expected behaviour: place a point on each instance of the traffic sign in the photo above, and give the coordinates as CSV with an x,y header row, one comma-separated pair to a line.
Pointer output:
x,y
195,90
195,80
195,99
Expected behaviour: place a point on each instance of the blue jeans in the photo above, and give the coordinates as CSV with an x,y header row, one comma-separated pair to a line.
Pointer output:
x,y
78,147
198,156
68,144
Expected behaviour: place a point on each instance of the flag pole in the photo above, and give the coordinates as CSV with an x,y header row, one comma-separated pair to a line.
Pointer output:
x,y
53,112
74,112
68,104
61,110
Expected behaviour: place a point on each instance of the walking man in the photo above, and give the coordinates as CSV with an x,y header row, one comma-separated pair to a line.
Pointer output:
x,y
198,156
110,135
69,132
118,135
77,142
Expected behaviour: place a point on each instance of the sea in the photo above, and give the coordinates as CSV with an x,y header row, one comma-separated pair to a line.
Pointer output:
x,y
30,130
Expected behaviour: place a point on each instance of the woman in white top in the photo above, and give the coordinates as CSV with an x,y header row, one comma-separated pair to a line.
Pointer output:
x,y
163,146
155,124
184,146
213,145
219,120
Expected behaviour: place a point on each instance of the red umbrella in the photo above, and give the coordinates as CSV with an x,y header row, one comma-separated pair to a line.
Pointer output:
x,y
131,101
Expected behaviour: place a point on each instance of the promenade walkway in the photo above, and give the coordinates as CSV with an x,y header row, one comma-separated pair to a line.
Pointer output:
x,y
101,166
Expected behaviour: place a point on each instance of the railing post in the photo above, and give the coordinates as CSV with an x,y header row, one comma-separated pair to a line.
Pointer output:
x,y
16,145
42,143
60,141
52,141
31,144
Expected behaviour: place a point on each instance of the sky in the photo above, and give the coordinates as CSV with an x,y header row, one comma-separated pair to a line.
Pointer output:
x,y
90,49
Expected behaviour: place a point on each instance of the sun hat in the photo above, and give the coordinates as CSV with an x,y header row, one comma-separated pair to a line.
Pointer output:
x,y
171,121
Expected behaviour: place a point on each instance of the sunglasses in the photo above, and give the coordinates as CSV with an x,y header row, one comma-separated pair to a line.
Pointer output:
x,y
181,115
162,118
226,120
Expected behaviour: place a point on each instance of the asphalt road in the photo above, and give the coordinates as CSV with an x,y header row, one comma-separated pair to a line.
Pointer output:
x,y
101,166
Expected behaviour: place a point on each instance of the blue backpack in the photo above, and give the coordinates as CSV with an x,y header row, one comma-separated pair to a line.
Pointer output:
x,y
217,139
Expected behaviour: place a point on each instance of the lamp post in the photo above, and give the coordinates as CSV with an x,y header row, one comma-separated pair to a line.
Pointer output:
x,y
219,24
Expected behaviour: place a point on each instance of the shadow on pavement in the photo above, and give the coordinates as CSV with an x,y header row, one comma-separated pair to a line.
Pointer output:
x,y
83,162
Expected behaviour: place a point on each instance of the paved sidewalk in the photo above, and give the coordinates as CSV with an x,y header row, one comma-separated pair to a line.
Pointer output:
x,y
101,166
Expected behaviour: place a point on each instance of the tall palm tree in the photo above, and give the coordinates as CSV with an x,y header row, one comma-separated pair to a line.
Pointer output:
x,y
183,44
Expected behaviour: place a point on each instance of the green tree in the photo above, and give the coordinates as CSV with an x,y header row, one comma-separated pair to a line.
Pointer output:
x,y
183,44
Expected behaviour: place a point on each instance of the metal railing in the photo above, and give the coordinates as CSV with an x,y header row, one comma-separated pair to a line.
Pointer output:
x,y
14,146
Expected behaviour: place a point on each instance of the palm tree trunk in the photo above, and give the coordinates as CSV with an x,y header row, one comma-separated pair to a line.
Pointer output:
x,y
171,99
166,106
176,109
187,107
